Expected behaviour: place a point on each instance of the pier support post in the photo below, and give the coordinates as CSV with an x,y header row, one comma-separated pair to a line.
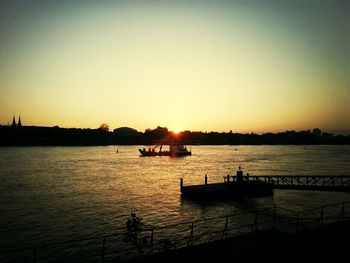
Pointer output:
x,y
181,183
206,179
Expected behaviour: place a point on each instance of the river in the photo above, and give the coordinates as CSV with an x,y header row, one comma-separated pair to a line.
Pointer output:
x,y
53,194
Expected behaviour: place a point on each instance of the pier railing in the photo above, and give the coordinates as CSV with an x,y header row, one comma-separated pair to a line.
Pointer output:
x,y
122,245
303,180
339,183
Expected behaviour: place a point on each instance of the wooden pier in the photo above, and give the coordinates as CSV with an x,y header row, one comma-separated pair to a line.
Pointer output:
x,y
254,186
232,187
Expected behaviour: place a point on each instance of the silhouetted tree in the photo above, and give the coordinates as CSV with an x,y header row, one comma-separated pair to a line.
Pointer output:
x,y
104,127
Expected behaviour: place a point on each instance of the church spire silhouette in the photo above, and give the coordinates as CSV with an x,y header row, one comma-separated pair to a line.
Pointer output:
x,y
19,125
14,121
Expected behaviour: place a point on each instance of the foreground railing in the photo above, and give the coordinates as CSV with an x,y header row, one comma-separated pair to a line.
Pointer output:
x,y
151,239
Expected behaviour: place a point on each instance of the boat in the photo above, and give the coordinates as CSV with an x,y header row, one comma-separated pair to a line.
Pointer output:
x,y
174,151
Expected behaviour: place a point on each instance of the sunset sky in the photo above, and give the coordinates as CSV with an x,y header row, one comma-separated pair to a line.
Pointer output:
x,y
196,65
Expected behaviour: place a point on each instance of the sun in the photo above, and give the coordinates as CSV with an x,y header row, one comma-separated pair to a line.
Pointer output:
x,y
176,130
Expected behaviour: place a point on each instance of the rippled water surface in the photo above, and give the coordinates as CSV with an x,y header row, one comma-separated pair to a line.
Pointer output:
x,y
51,194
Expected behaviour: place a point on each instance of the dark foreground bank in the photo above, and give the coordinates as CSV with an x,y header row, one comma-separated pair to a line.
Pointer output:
x,y
328,243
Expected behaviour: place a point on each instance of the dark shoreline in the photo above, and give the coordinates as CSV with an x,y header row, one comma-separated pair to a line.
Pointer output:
x,y
56,136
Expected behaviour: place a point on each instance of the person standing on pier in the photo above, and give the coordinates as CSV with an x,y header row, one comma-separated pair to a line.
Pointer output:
x,y
239,175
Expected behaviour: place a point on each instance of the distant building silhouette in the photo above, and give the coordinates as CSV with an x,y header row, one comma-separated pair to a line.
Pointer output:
x,y
14,124
317,132
125,131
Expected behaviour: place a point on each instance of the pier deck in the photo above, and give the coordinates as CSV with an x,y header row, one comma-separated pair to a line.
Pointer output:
x,y
228,190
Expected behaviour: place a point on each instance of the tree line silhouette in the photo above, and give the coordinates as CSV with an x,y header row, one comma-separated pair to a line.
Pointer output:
x,y
52,136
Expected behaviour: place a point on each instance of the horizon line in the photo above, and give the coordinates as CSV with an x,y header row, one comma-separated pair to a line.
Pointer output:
x,y
336,132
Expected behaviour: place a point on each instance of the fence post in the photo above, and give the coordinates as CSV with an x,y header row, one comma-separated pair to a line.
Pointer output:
x,y
342,212
297,226
190,238
103,250
274,217
150,250
224,233
320,220
255,224
34,255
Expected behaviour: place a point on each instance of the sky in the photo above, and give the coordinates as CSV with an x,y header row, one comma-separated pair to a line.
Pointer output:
x,y
245,66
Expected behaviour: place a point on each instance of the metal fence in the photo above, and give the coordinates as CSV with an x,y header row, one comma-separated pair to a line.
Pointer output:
x,y
124,244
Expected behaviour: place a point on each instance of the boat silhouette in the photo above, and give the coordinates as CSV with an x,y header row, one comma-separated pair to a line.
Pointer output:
x,y
174,151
